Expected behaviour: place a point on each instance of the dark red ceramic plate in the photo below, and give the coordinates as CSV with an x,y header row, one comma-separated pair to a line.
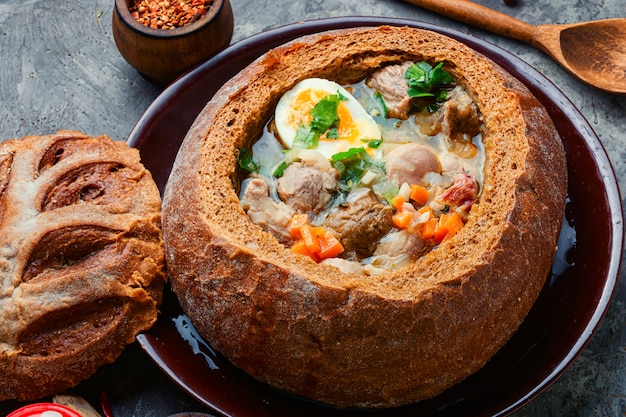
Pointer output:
x,y
557,329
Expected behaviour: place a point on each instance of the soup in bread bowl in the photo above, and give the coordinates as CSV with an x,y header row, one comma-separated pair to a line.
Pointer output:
x,y
358,328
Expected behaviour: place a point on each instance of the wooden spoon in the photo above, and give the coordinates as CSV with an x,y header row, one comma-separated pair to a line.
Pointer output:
x,y
594,51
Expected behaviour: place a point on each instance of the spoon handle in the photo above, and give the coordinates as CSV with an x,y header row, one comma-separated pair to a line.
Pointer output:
x,y
480,16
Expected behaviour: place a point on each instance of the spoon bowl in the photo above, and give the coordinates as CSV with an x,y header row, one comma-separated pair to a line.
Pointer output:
x,y
594,52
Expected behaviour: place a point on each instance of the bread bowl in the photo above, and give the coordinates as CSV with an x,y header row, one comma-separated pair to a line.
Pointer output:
x,y
396,338
82,258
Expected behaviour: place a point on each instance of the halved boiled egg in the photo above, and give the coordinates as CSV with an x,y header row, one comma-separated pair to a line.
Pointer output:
x,y
355,126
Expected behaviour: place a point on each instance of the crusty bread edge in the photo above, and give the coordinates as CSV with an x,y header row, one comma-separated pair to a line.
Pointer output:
x,y
136,296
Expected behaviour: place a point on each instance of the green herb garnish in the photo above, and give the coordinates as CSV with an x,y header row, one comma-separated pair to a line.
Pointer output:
x,y
372,143
332,133
426,82
381,103
386,189
351,166
246,161
349,154
305,137
325,120
278,172
325,113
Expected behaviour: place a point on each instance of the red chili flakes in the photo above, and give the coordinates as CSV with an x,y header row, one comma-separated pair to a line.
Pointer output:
x,y
168,14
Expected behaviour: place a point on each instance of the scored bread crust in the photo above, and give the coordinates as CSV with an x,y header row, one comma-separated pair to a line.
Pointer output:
x,y
347,339
81,258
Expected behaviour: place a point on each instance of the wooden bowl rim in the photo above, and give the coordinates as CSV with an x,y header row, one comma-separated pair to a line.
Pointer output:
x,y
121,7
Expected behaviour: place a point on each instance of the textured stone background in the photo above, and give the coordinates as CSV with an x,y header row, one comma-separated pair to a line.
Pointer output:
x,y
60,69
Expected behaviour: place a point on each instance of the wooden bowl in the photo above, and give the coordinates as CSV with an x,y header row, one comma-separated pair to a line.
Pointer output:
x,y
162,55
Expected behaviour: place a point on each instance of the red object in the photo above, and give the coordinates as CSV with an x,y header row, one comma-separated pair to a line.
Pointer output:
x,y
50,410
104,403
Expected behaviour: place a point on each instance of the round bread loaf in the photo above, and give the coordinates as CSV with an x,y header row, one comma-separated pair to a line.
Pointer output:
x,y
352,340
81,258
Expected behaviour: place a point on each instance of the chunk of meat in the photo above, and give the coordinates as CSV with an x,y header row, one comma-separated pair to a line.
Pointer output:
x,y
463,193
273,216
410,162
360,225
458,118
396,250
403,242
391,84
306,188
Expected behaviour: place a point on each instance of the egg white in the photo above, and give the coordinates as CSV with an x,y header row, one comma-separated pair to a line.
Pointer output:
x,y
294,106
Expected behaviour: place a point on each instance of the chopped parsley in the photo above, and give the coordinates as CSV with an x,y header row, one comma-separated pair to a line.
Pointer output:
x,y
428,83
325,120
351,166
278,172
381,103
305,137
246,161
372,143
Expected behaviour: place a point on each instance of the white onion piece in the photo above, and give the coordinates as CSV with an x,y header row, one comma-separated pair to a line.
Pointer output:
x,y
450,162
433,179
405,191
356,194
446,181
309,157
423,218
436,205
344,265
368,177
315,159
378,264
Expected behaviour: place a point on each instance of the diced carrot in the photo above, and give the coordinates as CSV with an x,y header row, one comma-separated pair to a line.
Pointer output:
x,y
426,209
419,194
319,231
397,202
317,243
454,222
297,222
427,230
300,247
310,238
441,230
330,246
402,219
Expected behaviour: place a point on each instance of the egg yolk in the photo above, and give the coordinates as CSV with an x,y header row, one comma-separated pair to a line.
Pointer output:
x,y
302,105
350,131
347,128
